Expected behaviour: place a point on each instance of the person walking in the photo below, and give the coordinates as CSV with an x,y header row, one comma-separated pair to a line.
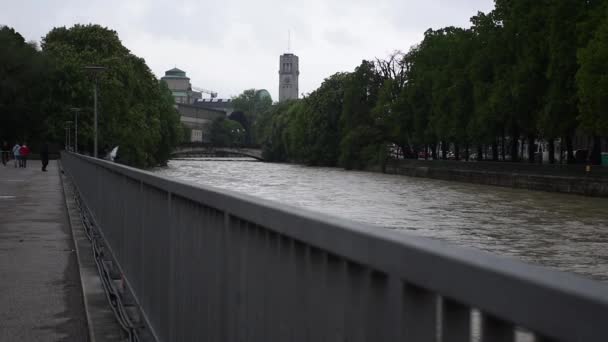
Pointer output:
x,y
24,152
5,150
15,150
44,156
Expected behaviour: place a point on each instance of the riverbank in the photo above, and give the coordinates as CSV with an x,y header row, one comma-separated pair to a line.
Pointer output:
x,y
572,179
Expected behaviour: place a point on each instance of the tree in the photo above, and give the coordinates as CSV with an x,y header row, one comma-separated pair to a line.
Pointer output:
x,y
362,142
592,83
273,130
316,127
524,24
558,119
226,132
488,70
252,103
136,111
23,87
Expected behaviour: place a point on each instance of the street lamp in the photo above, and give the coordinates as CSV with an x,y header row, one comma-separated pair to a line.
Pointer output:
x,y
95,70
67,135
75,110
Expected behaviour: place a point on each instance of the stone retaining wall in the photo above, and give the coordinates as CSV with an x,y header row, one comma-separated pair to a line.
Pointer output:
x,y
592,185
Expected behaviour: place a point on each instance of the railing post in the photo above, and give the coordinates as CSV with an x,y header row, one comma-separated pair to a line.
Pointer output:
x,y
419,314
456,322
496,330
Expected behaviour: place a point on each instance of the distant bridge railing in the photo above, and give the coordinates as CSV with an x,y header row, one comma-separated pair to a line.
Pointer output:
x,y
204,150
213,265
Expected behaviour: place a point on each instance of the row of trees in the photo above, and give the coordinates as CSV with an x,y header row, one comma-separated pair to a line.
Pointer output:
x,y
40,85
526,72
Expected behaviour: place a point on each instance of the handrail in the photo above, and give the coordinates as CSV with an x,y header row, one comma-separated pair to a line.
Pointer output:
x,y
401,269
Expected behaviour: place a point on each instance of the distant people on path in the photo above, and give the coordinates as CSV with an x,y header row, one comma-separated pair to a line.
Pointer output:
x,y
15,150
24,152
5,151
44,156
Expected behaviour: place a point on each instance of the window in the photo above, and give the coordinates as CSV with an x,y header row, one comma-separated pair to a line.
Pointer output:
x,y
286,67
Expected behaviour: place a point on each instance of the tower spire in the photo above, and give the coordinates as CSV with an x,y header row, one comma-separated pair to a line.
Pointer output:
x,y
288,41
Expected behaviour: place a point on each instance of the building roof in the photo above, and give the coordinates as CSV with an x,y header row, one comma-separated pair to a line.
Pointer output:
x,y
175,73
214,110
262,93
217,104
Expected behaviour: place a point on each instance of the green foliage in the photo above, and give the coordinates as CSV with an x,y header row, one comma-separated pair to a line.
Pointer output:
x,y
359,126
23,86
252,104
273,131
592,82
316,128
227,133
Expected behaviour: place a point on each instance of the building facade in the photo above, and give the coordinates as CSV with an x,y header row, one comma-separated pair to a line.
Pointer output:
x,y
289,71
180,86
198,120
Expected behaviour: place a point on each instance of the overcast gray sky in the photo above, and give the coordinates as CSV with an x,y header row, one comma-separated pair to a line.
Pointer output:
x,y
232,45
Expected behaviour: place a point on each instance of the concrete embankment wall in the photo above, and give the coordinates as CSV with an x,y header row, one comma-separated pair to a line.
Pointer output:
x,y
563,178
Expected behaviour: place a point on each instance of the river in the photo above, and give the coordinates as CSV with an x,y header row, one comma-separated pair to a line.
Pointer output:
x,y
565,232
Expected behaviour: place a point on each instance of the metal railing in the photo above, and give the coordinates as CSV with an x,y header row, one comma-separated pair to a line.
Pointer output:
x,y
213,265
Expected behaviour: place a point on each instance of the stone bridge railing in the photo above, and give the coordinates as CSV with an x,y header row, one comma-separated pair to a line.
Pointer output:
x,y
193,151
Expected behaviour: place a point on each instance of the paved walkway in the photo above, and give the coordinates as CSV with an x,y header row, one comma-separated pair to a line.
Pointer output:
x,y
40,291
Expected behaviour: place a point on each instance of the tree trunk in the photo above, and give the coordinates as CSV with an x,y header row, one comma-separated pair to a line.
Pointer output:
x,y
434,151
569,150
514,147
426,152
495,151
479,152
503,150
466,152
596,151
551,149
531,149
456,151
444,150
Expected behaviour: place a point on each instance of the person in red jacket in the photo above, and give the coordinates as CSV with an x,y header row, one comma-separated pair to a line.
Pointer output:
x,y
24,152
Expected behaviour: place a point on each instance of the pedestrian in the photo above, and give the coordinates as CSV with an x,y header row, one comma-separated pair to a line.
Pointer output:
x,y
15,150
24,152
44,156
5,152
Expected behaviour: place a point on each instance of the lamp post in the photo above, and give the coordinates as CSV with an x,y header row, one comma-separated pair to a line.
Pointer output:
x,y
67,135
95,70
75,110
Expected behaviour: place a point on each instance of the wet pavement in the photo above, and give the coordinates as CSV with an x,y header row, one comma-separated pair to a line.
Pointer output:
x,y
40,291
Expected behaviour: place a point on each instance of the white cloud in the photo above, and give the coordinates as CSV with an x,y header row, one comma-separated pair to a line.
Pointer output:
x,y
232,45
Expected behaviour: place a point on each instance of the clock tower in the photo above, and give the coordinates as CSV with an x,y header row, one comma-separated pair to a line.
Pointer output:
x,y
288,77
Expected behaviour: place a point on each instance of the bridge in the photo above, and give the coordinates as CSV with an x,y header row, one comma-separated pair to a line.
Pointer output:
x,y
198,263
216,152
